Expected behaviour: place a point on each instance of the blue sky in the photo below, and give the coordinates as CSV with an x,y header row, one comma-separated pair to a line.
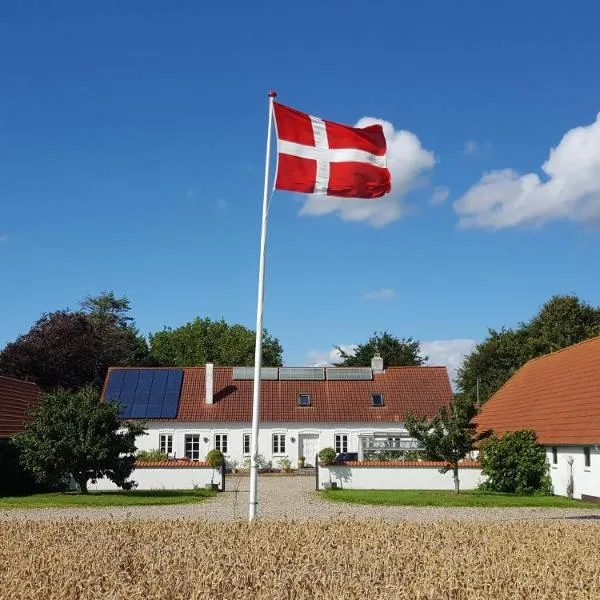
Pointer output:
x,y
132,150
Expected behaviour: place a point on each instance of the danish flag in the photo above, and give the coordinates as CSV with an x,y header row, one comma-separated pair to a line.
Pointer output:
x,y
327,158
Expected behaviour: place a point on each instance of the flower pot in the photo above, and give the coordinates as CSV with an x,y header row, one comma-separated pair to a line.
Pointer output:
x,y
301,462
330,485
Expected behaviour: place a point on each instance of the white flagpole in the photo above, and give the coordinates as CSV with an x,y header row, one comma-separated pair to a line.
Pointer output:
x,y
259,327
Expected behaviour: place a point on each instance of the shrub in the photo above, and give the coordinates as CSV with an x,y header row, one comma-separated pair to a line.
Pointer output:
x,y
151,455
327,456
515,463
285,464
215,458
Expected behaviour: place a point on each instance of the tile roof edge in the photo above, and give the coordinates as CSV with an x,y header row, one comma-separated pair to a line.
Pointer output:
x,y
19,380
595,338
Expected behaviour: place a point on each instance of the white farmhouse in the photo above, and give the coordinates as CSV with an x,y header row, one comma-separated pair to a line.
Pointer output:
x,y
557,396
191,410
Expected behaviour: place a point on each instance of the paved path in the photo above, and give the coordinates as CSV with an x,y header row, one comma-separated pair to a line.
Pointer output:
x,y
294,497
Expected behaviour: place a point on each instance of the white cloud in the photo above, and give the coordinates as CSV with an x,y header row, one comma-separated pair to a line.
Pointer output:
x,y
471,148
382,294
571,189
407,159
324,358
440,195
448,353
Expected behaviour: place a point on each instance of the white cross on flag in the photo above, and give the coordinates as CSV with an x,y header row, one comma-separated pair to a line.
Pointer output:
x,y
327,158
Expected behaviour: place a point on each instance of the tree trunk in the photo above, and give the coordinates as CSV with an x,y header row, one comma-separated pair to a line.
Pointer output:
x,y
82,483
456,481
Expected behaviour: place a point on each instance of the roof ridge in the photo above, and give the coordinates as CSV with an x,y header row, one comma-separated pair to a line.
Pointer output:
x,y
19,380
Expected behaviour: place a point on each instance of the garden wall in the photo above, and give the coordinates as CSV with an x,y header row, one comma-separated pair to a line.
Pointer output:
x,y
399,475
167,475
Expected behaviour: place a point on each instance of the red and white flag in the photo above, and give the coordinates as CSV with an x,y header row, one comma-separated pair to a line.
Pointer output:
x,y
327,158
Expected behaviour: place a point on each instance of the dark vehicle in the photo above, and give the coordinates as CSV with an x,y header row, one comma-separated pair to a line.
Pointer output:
x,y
346,457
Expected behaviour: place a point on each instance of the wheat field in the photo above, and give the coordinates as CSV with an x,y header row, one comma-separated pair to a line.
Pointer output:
x,y
186,559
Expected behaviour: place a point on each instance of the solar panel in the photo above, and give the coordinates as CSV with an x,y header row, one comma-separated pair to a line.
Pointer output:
x,y
157,393
349,373
301,373
128,388
154,411
172,392
113,387
271,373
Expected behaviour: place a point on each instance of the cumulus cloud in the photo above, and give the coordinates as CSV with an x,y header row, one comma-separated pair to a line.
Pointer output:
x,y
407,160
570,189
448,353
382,294
445,353
440,195
324,358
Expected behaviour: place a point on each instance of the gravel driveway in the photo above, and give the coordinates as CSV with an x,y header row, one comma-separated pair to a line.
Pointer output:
x,y
294,498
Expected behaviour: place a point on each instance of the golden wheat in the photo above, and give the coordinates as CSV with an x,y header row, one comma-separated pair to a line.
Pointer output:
x,y
188,560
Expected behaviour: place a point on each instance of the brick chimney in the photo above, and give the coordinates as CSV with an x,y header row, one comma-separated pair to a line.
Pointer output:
x,y
209,382
377,363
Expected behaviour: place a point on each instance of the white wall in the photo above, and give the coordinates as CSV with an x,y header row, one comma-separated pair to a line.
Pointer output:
x,y
586,479
398,478
324,432
175,478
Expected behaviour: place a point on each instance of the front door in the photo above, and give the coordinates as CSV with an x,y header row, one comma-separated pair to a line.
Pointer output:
x,y
309,448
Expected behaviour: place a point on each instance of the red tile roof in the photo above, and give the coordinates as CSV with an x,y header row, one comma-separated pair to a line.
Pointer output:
x,y
422,390
15,398
178,463
465,464
557,395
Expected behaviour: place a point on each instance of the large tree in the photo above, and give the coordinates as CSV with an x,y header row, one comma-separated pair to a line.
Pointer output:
x,y
72,349
449,436
77,434
561,322
204,340
394,351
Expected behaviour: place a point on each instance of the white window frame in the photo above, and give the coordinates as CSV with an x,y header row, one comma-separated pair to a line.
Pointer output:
x,y
249,437
169,438
222,437
278,443
342,438
193,451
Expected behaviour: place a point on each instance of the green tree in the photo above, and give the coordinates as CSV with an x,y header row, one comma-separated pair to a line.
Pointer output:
x,y
204,340
514,464
394,351
448,436
73,349
77,434
561,322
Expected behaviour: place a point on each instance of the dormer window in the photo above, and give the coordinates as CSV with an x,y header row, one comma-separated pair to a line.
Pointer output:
x,y
377,399
304,400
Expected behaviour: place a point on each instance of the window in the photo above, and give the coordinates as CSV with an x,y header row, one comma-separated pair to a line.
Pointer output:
x,y
279,443
221,442
192,446
341,443
377,399
554,455
165,443
304,400
587,457
246,442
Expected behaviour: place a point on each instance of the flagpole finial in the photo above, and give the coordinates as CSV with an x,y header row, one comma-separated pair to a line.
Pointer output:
x,y
272,94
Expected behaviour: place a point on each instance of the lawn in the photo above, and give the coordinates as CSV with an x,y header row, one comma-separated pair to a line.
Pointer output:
x,y
449,498
133,498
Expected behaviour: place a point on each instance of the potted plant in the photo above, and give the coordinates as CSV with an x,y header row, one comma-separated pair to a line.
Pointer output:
x,y
215,459
285,464
301,461
327,458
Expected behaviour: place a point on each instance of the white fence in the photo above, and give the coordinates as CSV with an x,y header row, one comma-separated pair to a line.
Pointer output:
x,y
166,478
408,475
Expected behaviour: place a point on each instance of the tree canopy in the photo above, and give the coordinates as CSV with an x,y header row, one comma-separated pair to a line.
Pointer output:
x,y
394,351
561,322
448,436
77,434
72,349
204,340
